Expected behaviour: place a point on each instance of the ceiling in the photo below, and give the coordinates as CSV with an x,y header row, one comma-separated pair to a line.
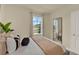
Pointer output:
x,y
48,8
44,8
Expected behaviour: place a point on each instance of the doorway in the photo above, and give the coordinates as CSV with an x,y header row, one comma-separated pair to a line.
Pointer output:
x,y
57,29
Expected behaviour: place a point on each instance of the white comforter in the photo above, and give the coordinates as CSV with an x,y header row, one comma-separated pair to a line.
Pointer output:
x,y
31,49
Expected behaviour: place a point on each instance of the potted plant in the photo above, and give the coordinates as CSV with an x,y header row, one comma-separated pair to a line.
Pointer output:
x,y
5,31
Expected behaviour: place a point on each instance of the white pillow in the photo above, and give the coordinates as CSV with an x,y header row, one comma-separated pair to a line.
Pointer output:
x,y
11,45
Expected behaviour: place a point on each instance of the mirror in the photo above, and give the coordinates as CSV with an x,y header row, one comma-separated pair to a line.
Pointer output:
x,y
57,29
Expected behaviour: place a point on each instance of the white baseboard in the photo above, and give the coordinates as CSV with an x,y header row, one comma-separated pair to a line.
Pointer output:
x,y
72,51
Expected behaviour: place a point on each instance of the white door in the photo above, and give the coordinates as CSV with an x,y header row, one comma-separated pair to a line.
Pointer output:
x,y
75,31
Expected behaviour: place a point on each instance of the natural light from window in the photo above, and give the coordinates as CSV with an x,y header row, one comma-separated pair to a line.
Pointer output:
x,y
37,25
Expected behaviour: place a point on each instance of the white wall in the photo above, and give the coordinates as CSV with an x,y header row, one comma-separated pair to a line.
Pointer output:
x,y
47,26
19,16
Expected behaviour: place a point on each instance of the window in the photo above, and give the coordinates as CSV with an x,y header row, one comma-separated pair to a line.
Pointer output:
x,y
37,25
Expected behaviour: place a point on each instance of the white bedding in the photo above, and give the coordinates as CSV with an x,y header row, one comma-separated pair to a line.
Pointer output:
x,y
31,49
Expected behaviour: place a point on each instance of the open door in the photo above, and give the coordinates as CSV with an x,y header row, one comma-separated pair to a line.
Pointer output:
x,y
57,29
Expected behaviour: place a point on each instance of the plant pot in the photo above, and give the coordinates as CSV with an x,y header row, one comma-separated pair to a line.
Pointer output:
x,y
5,36
2,44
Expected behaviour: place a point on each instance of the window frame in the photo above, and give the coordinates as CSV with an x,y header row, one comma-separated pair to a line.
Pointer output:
x,y
41,33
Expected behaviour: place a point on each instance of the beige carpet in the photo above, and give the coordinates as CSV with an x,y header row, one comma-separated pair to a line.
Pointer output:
x,y
47,46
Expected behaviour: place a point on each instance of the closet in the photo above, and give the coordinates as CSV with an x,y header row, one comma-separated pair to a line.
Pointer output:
x,y
74,45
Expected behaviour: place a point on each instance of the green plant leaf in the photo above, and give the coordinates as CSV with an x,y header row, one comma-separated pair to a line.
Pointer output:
x,y
7,25
2,26
8,30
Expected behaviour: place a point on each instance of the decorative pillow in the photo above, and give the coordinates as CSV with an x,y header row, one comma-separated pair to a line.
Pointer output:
x,y
25,41
11,45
